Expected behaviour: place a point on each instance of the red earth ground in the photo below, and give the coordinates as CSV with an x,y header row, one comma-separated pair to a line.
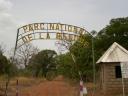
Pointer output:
x,y
57,87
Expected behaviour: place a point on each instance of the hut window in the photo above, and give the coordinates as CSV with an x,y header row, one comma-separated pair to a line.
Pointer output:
x,y
118,72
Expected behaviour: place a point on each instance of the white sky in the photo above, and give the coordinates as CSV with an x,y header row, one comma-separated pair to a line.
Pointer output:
x,y
90,14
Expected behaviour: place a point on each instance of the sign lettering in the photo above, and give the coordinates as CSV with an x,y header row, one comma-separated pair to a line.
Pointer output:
x,y
59,31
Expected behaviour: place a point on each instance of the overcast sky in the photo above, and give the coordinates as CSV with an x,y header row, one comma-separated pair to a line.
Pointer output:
x,y
90,14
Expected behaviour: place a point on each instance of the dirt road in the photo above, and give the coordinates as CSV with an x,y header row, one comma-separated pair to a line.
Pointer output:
x,y
56,87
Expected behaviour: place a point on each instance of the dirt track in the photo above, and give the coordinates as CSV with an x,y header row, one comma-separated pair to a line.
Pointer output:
x,y
37,87
51,88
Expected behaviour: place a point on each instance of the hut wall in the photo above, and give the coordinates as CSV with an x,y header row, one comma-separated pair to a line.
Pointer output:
x,y
110,83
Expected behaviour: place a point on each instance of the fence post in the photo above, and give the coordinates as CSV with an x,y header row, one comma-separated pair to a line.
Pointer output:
x,y
17,83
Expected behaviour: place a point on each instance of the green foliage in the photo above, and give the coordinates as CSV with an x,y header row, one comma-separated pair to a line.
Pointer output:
x,y
43,62
116,31
82,52
79,59
6,66
12,69
3,64
65,65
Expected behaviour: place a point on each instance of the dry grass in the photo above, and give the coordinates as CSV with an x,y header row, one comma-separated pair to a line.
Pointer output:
x,y
24,82
41,87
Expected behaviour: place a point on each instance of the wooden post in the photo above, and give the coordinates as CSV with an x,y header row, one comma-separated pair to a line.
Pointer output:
x,y
17,84
123,86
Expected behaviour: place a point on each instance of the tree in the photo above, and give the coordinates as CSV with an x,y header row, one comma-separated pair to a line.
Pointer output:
x,y
5,65
77,62
43,62
24,53
65,65
116,31
2,48
6,68
3,61
82,51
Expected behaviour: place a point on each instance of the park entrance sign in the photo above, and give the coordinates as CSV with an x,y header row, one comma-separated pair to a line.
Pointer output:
x,y
48,31
45,31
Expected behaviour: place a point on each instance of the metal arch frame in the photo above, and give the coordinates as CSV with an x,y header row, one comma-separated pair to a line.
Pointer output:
x,y
18,31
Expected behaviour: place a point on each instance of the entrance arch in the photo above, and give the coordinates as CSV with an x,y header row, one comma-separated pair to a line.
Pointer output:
x,y
47,31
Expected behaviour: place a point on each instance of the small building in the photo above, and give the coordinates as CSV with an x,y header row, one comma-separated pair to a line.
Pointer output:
x,y
111,80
